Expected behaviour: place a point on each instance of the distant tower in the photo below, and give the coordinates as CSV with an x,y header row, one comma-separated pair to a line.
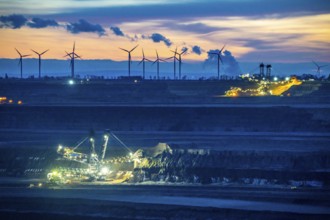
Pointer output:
x,y
262,70
269,69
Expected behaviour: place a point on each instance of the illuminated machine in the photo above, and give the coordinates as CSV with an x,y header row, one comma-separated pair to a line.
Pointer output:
x,y
265,88
75,166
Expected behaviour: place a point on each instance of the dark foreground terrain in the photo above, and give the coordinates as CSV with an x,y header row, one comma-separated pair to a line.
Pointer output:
x,y
163,202
233,158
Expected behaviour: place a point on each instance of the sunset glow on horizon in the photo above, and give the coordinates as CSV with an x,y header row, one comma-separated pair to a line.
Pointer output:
x,y
99,28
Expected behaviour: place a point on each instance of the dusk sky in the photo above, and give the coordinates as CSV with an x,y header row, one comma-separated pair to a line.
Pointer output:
x,y
253,30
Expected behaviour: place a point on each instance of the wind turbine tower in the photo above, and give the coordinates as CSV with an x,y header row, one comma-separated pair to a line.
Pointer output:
x,y
39,55
143,62
21,61
157,61
174,61
219,59
72,56
180,60
129,58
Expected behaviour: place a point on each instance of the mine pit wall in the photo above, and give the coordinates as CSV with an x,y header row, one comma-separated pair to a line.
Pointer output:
x,y
195,166
232,167
26,162
231,119
218,167
149,91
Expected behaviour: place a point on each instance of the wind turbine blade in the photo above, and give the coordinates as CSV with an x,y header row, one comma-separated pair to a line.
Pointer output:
x,y
76,55
155,61
74,46
18,52
140,61
44,52
163,60
134,48
157,55
324,65
148,60
184,51
26,55
220,59
175,51
124,50
169,58
142,53
222,48
315,63
67,54
35,52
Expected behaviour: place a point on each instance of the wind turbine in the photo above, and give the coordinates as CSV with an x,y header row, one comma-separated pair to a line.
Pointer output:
x,y
180,59
39,55
157,61
174,60
72,56
21,61
219,59
319,67
129,58
143,62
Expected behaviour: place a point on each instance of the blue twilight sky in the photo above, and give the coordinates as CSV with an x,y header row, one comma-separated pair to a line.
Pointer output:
x,y
253,30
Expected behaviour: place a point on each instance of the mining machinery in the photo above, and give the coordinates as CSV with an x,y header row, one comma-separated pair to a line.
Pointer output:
x,y
77,166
